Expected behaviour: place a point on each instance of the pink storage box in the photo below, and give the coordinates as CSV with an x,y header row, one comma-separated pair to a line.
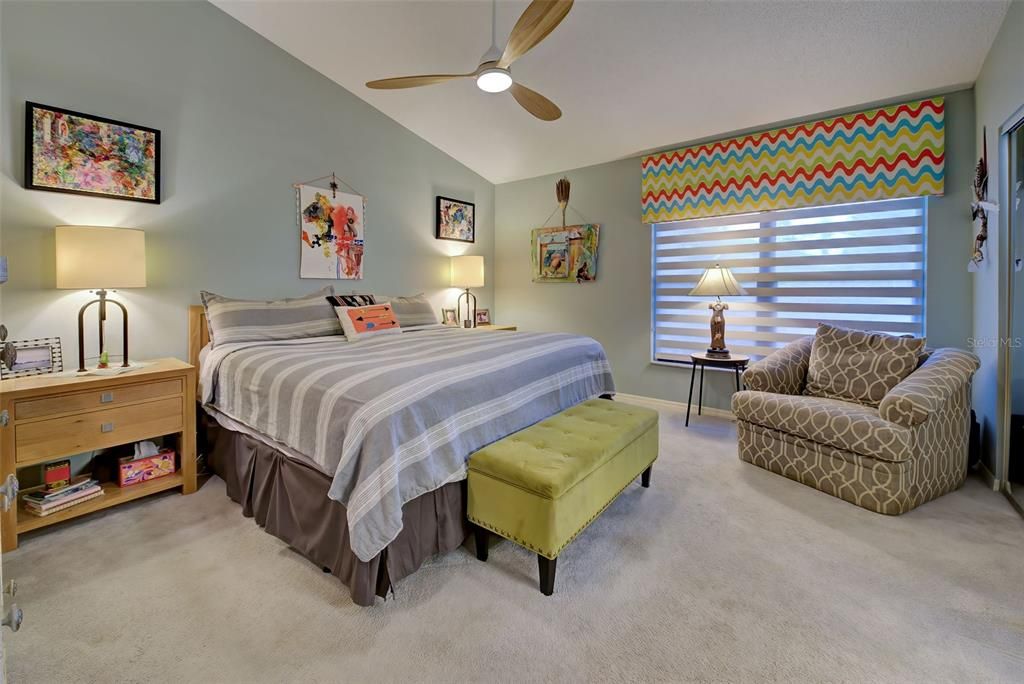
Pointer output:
x,y
130,472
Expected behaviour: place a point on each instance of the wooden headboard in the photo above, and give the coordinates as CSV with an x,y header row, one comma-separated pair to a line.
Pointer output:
x,y
198,334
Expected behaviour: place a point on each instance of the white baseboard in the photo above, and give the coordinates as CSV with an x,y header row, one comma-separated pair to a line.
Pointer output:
x,y
990,479
674,405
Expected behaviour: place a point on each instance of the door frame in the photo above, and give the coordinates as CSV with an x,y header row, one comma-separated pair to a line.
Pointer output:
x,y
1004,198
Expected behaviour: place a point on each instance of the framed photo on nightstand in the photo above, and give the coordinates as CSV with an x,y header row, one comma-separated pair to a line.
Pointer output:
x,y
34,357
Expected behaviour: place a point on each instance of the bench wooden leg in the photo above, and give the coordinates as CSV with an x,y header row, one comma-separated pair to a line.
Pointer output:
x,y
645,477
547,574
480,536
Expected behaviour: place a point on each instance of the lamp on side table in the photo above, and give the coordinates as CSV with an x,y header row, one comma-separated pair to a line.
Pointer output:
x,y
715,282
467,272
97,258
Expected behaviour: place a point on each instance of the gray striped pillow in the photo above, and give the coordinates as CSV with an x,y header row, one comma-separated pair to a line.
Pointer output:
x,y
240,320
411,311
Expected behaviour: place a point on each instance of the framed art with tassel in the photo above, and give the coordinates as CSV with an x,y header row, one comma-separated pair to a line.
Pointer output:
x,y
564,254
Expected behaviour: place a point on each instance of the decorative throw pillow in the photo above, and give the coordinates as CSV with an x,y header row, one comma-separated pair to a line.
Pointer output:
x,y
412,312
859,366
352,300
360,322
241,320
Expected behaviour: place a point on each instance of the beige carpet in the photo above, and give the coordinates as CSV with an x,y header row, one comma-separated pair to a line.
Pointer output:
x,y
720,571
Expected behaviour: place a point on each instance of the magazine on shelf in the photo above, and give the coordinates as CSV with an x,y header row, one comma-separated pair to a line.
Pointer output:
x,y
71,498
65,505
76,486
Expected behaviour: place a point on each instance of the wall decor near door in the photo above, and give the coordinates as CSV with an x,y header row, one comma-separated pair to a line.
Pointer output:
x,y
331,228
455,220
565,254
68,151
980,206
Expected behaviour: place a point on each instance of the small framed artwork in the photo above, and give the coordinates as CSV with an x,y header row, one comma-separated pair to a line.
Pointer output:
x,y
449,317
483,316
455,220
34,357
68,151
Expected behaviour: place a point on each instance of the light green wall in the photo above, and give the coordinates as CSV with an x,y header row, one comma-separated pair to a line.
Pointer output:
x,y
999,93
616,308
241,121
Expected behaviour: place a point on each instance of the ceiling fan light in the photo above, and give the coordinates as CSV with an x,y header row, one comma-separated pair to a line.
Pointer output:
x,y
494,80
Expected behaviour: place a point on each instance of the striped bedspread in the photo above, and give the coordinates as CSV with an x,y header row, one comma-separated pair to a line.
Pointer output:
x,y
396,416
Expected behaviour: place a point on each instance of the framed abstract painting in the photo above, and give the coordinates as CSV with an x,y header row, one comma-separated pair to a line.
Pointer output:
x,y
331,225
68,151
455,220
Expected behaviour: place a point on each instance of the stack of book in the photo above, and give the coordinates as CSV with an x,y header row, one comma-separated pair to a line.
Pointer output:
x,y
43,503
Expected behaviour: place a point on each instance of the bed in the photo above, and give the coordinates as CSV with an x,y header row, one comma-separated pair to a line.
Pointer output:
x,y
354,452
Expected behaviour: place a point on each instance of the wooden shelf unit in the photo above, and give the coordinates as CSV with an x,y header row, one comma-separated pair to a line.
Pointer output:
x,y
112,496
50,417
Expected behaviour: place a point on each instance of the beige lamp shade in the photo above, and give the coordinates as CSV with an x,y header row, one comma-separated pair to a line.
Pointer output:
x,y
97,258
467,271
717,281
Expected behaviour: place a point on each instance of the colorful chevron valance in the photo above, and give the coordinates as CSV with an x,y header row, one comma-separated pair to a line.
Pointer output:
x,y
883,153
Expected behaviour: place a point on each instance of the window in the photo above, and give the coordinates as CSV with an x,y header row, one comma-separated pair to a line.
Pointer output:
x,y
852,265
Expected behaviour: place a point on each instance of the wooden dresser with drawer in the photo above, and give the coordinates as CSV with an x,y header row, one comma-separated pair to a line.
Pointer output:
x,y
46,418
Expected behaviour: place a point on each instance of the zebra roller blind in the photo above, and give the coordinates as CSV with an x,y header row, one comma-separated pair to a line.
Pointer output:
x,y
858,265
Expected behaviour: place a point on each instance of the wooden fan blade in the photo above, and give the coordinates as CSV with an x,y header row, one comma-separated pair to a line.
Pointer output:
x,y
535,103
539,19
412,81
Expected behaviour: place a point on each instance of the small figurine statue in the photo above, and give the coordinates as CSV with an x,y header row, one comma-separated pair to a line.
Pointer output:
x,y
104,360
718,347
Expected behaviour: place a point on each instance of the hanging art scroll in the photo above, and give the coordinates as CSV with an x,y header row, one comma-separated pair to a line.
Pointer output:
x,y
331,225
896,151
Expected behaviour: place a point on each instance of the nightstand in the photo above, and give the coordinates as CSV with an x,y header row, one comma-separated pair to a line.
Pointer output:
x,y
493,326
49,417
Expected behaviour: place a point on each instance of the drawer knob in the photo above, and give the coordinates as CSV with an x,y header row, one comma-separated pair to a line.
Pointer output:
x,y
106,397
107,427
13,618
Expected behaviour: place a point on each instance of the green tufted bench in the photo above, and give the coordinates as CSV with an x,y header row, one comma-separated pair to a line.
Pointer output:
x,y
543,485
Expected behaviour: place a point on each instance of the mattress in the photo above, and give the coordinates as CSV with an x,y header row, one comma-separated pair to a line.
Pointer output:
x,y
390,418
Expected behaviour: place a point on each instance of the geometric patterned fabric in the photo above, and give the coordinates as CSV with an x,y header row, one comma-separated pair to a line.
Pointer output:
x,y
859,366
911,449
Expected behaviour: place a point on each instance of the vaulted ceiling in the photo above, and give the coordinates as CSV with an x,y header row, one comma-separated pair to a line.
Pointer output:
x,y
629,75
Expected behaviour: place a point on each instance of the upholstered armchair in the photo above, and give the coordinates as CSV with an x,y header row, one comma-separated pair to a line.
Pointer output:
x,y
910,449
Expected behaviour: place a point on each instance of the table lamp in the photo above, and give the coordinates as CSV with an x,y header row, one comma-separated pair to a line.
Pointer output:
x,y
467,272
717,281
97,258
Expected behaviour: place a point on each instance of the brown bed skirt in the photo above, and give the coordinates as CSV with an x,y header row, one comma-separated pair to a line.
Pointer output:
x,y
289,500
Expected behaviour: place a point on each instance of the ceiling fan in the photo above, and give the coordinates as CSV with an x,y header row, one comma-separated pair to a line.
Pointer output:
x,y
493,75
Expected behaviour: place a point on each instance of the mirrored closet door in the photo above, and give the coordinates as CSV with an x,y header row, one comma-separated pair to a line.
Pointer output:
x,y
1013,473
